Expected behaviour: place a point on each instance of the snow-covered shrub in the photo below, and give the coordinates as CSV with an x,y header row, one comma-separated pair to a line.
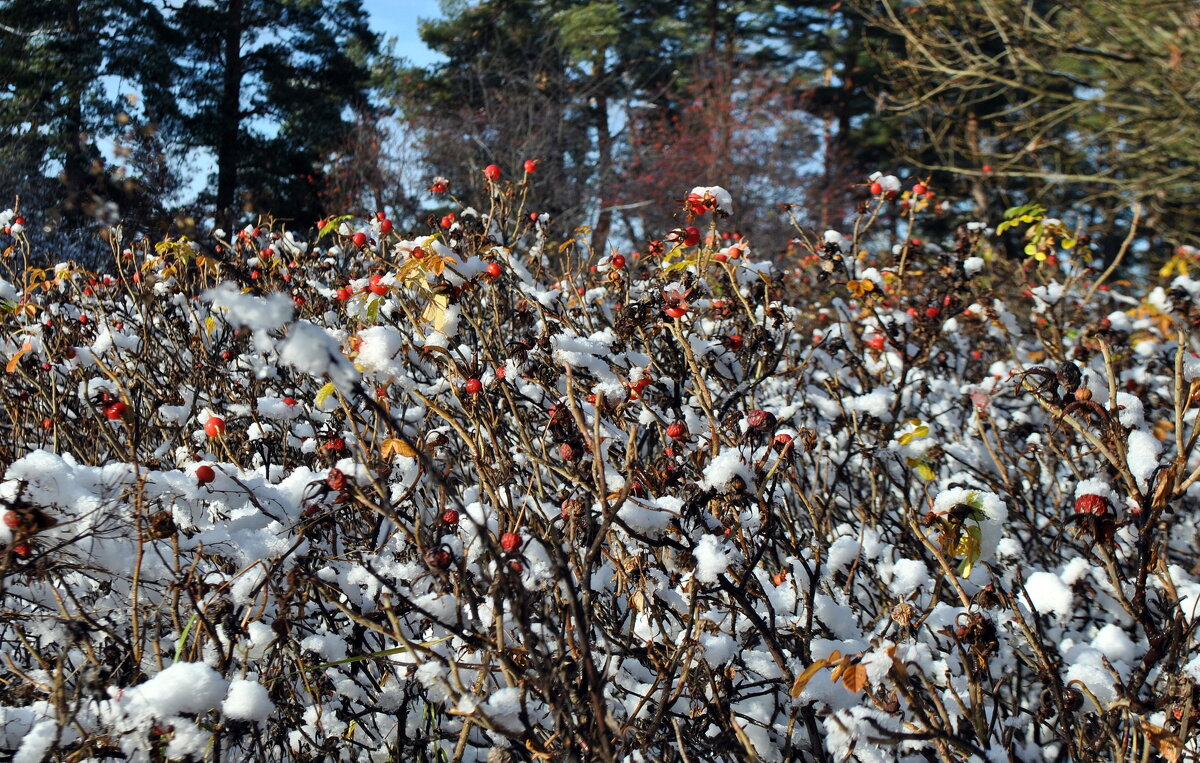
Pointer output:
x,y
468,493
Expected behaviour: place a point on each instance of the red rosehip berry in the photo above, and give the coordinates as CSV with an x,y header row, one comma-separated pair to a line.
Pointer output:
x,y
1091,503
116,411
22,550
932,312
343,294
494,270
449,517
617,261
336,479
439,558
691,236
734,342
215,426
492,172
205,474
385,227
473,386
530,166
919,189
359,239
510,542
676,312
876,189
12,520
677,431
760,419
567,452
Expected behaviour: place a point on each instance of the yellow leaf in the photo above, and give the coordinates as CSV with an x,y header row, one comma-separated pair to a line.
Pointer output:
x,y
905,438
394,446
854,678
802,680
435,311
210,325
680,265
921,431
925,472
16,358
1167,744
324,393
1067,243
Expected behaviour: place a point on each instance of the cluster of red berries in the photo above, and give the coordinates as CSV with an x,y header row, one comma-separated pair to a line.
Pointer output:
x,y
8,228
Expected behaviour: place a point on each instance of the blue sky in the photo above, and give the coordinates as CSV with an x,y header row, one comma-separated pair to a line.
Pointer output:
x,y
398,18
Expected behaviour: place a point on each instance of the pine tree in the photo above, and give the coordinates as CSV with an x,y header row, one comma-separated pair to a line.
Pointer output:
x,y
54,106
269,88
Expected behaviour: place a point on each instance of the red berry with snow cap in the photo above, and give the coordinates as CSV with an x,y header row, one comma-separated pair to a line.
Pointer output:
x,y
1090,503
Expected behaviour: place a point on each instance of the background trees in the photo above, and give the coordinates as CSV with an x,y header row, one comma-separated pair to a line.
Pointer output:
x,y
1089,106
55,59
299,110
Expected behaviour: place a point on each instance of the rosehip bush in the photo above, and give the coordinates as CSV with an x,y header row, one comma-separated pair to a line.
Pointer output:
x,y
468,493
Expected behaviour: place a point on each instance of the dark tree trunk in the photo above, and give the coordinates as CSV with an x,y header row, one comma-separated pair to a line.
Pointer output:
x,y
75,163
230,113
603,227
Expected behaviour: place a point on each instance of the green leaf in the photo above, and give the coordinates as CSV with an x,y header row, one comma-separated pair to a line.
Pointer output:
x,y
333,225
183,636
